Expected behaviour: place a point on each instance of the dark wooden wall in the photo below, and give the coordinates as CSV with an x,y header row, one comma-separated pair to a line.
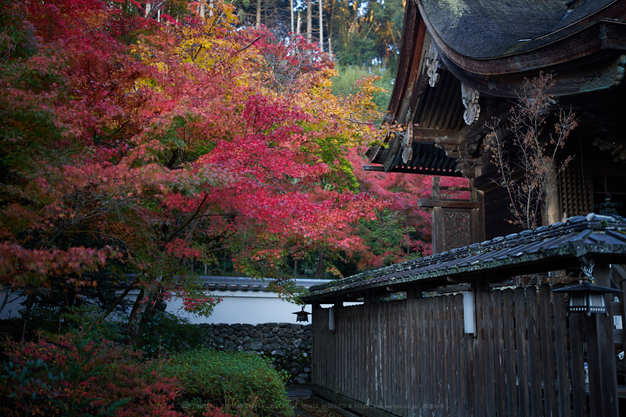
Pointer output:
x,y
412,357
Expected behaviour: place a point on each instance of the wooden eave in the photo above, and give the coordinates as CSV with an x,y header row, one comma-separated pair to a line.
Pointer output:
x,y
435,113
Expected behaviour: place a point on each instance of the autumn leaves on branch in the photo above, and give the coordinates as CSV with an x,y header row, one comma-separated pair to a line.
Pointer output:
x,y
133,145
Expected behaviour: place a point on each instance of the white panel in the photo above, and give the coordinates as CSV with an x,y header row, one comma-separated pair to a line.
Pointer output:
x,y
469,317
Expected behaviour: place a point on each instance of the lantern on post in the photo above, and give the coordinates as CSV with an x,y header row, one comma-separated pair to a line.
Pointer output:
x,y
302,315
586,297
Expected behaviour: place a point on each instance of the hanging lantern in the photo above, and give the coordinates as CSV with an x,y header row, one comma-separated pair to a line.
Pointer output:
x,y
302,315
608,208
587,298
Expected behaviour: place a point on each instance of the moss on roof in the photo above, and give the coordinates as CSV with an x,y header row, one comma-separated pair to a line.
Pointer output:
x,y
578,236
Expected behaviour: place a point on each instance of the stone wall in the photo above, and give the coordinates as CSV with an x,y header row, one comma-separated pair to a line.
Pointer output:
x,y
287,345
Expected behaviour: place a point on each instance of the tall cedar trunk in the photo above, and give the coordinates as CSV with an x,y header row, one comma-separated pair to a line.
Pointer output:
x,y
330,26
291,10
309,21
299,22
321,26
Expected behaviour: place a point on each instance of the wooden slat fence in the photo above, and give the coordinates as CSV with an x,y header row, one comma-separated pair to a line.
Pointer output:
x,y
412,357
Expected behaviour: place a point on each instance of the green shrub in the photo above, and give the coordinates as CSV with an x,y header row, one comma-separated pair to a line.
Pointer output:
x,y
242,383
167,333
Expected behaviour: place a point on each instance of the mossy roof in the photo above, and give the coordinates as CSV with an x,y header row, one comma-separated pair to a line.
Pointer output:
x,y
546,248
484,29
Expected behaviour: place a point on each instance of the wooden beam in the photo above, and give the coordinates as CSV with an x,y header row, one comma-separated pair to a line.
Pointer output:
x,y
425,135
373,168
450,188
447,203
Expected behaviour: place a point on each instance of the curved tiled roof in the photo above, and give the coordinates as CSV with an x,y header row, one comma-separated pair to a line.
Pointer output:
x,y
224,283
218,283
543,249
484,29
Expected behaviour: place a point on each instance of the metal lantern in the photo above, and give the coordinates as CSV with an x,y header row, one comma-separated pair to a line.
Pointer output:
x,y
608,208
302,315
587,298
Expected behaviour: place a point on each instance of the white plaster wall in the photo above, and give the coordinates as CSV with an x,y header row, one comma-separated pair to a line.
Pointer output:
x,y
13,305
251,307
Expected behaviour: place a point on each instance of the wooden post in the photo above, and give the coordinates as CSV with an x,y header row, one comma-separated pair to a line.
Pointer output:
x,y
368,299
444,209
601,355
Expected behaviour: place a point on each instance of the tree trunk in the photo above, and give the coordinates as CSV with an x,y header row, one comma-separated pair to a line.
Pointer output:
x,y
330,26
552,200
135,316
291,10
299,22
258,13
321,26
309,21
6,299
320,266
146,297
119,299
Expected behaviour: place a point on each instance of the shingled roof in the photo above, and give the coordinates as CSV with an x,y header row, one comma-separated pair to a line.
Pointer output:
x,y
546,248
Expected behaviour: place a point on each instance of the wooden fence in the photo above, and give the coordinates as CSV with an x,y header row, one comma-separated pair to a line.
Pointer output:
x,y
412,357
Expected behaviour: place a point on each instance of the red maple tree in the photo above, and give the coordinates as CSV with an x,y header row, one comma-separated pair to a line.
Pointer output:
x,y
149,146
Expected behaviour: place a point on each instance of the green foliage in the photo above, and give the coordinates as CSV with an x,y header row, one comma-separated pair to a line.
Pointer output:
x,y
242,383
164,332
365,32
343,83
386,233
342,173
